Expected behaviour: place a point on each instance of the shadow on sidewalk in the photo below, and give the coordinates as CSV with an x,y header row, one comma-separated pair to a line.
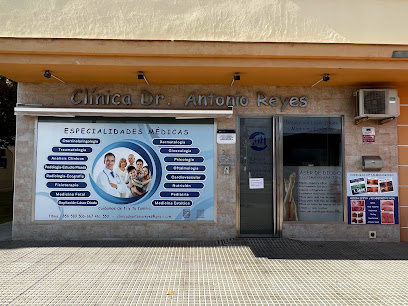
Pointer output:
x,y
336,250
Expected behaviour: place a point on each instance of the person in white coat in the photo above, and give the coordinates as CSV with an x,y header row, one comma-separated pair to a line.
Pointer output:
x,y
110,181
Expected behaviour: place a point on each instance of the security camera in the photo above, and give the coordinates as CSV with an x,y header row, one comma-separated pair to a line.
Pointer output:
x,y
326,78
237,76
47,74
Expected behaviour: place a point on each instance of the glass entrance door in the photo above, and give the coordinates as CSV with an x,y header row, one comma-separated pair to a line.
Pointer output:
x,y
257,177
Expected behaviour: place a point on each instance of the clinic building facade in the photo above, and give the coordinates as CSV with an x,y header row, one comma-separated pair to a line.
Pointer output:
x,y
224,161
202,123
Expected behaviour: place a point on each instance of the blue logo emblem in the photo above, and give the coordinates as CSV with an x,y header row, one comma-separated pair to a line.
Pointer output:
x,y
258,141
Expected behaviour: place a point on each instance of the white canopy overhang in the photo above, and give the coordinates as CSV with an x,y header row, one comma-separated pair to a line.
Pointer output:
x,y
122,112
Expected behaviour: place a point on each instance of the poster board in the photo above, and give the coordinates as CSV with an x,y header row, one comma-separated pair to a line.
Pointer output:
x,y
317,192
372,198
75,179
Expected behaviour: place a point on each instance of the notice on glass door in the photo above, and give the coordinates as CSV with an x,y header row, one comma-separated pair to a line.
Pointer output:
x,y
256,183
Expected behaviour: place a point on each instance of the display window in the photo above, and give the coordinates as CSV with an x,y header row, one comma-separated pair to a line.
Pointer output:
x,y
312,169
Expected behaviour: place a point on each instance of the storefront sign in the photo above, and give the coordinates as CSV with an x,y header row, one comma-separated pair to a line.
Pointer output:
x,y
372,198
318,125
133,171
95,97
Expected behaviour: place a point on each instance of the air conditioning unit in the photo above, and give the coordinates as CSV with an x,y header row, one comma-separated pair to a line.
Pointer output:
x,y
377,104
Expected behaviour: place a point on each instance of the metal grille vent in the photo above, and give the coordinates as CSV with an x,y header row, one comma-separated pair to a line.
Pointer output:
x,y
374,102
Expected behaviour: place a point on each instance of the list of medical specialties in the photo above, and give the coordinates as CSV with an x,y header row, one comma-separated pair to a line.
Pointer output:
x,y
132,171
316,192
372,198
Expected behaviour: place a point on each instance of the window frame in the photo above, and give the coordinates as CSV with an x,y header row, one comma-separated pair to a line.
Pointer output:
x,y
280,168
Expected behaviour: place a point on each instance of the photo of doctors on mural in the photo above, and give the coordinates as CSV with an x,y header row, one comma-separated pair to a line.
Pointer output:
x,y
108,180
123,177
125,171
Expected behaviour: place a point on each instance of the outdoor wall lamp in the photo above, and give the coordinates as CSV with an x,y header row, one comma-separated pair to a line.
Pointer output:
x,y
49,75
237,77
325,78
141,76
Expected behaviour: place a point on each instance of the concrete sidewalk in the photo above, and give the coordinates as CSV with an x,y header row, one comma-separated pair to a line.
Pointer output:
x,y
233,272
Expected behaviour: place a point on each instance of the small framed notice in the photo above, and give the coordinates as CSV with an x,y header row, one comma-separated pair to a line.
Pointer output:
x,y
226,137
256,183
368,135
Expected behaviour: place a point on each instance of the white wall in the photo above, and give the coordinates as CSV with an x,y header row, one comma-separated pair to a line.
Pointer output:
x,y
341,21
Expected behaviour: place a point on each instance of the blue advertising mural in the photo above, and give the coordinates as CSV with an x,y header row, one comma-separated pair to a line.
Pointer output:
x,y
124,171
372,198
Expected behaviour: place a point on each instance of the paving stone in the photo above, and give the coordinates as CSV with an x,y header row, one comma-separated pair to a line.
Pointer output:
x,y
227,272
